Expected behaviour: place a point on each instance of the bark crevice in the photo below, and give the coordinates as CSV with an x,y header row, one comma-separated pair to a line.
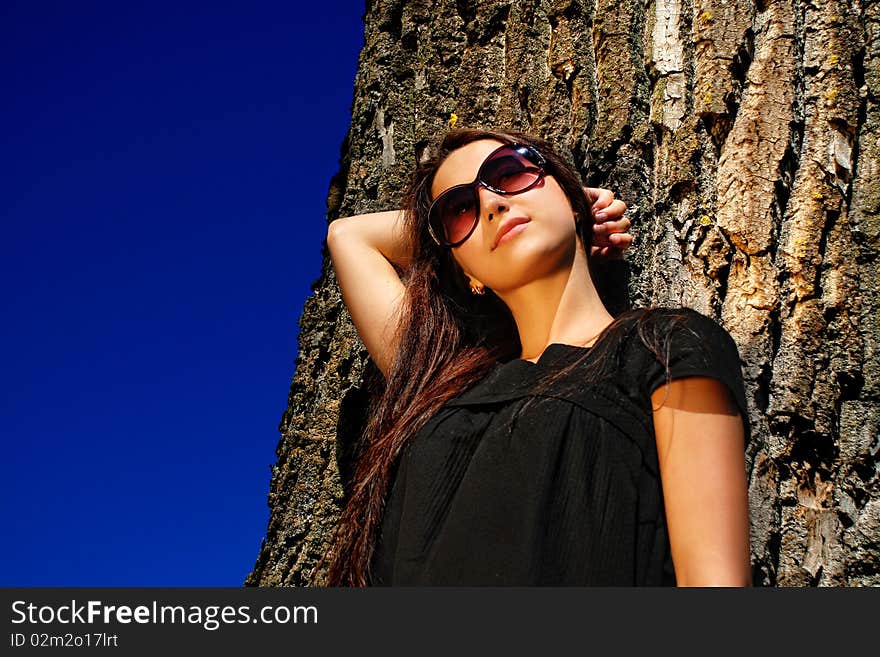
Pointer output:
x,y
743,136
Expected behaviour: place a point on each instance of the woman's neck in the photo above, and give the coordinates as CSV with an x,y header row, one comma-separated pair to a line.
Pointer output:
x,y
562,307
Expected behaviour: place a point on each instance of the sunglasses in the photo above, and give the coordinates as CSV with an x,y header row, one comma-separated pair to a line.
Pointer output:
x,y
510,169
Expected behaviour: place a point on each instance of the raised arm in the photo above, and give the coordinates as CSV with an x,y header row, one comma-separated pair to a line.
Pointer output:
x,y
362,249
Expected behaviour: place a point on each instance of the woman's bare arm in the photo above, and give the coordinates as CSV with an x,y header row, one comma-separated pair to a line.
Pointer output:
x,y
699,436
362,249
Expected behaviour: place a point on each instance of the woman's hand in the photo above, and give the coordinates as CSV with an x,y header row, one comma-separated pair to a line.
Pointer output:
x,y
610,238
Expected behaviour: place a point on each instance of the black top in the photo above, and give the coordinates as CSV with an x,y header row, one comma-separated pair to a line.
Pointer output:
x,y
567,492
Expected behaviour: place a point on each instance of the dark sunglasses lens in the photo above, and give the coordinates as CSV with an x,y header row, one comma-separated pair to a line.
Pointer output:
x,y
455,213
511,169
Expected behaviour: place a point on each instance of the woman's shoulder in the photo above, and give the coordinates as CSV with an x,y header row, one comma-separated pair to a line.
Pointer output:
x,y
651,346
667,331
670,318
658,345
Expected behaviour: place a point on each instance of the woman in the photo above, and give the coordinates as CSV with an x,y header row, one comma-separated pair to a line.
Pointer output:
x,y
524,436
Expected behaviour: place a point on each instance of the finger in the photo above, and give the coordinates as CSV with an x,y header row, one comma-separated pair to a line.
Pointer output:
x,y
591,193
618,226
601,198
614,210
621,241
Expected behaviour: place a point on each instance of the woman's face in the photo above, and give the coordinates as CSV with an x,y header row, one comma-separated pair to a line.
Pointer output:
x,y
544,239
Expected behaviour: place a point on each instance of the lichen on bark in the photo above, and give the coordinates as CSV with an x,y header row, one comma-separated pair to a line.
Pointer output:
x,y
745,138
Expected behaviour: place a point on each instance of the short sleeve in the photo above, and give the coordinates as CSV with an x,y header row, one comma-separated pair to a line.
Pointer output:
x,y
696,345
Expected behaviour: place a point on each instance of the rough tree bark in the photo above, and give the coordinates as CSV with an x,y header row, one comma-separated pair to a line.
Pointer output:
x,y
745,137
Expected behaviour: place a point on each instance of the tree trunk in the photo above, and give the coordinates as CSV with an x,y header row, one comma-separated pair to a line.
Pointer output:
x,y
745,138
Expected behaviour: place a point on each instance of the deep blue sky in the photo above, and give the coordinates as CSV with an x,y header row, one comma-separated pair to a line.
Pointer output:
x,y
165,167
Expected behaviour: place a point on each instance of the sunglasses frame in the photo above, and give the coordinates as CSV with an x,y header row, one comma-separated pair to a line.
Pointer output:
x,y
478,182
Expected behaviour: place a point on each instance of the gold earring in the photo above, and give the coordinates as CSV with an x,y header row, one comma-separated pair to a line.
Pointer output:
x,y
477,288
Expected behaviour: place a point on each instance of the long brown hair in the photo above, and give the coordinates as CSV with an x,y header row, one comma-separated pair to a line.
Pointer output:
x,y
448,340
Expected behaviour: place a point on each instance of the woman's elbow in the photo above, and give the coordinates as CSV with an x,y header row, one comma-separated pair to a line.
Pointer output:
x,y
334,230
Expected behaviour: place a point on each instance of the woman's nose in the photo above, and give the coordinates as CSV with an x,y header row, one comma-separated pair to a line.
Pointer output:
x,y
493,204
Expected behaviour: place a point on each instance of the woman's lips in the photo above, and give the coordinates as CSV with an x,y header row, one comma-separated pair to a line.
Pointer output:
x,y
510,229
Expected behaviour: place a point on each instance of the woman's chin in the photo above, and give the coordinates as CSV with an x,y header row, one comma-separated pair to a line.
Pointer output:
x,y
527,265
